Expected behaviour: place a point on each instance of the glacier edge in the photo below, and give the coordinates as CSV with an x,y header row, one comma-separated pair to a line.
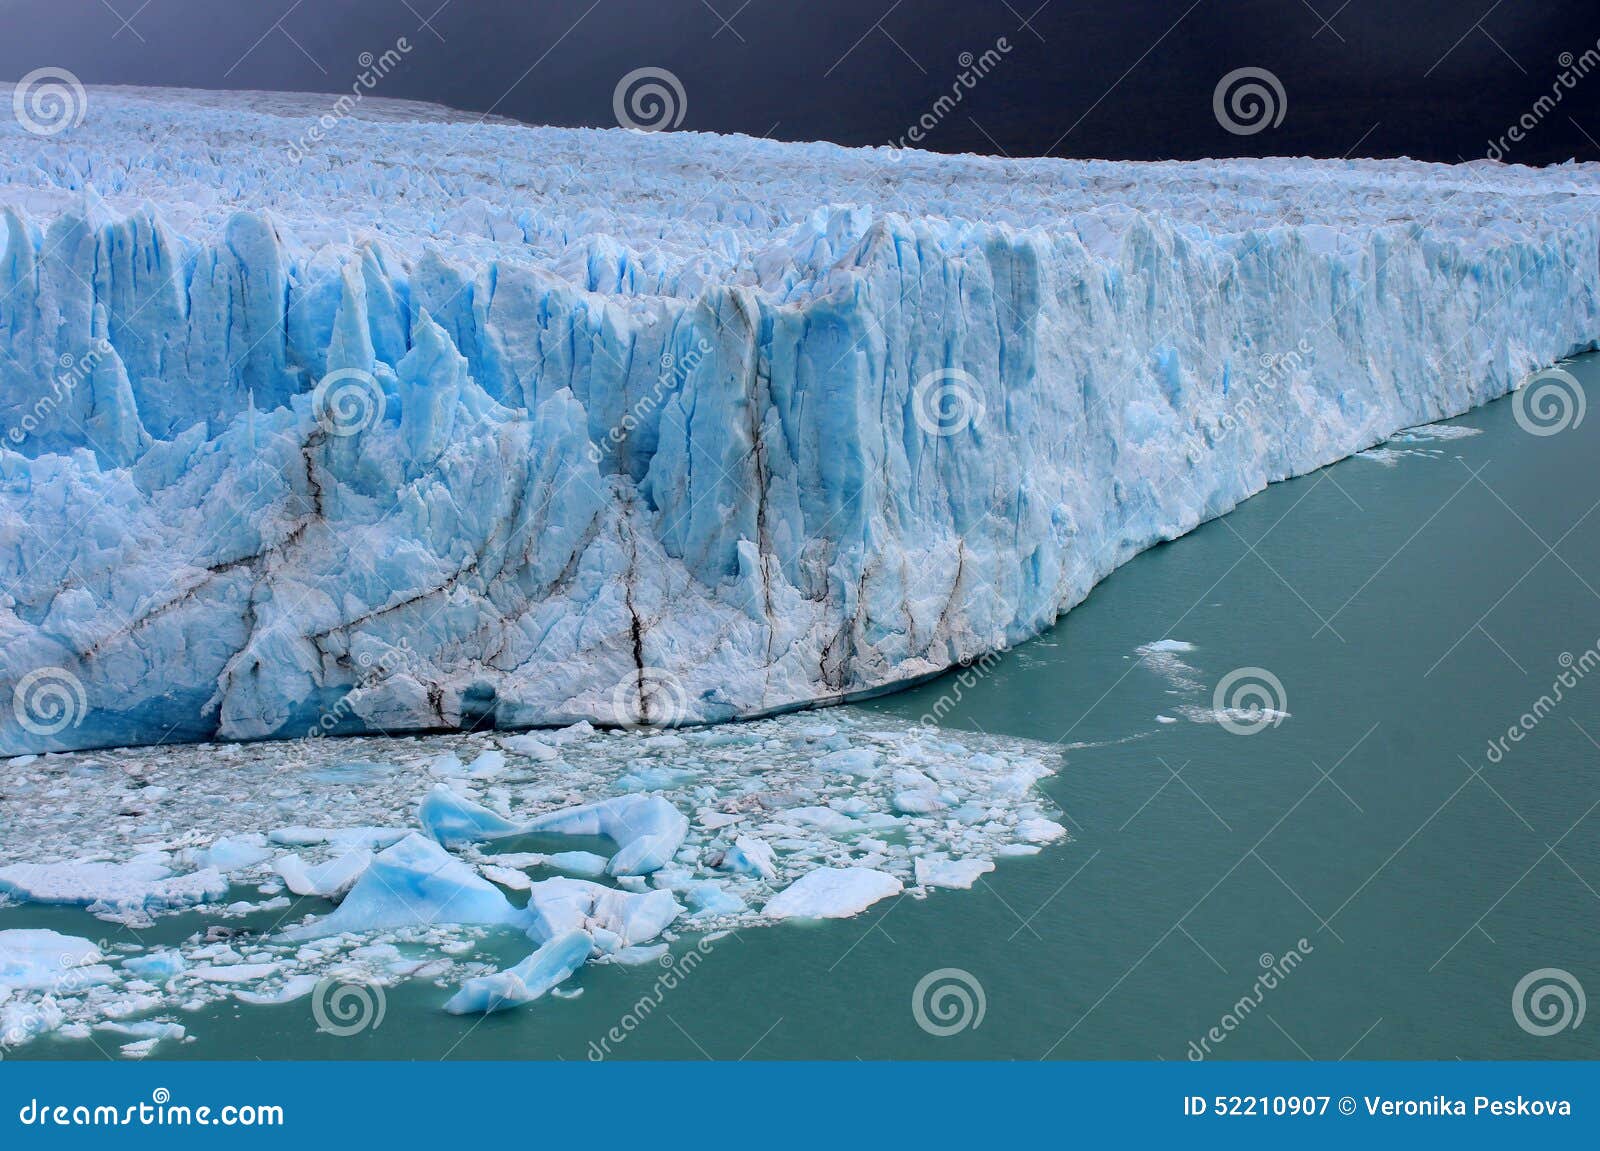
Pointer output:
x,y
824,447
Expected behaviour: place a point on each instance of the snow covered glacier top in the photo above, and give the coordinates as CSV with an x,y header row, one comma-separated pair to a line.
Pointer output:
x,y
401,420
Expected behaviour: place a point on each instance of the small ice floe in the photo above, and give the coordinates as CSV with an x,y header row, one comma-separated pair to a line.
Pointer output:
x,y
942,871
1165,658
37,959
118,891
832,893
553,963
328,880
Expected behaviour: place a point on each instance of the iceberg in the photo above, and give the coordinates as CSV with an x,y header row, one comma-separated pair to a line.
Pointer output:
x,y
562,434
553,963
647,830
415,883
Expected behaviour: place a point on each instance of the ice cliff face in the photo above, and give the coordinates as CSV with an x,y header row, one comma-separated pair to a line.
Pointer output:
x,y
453,424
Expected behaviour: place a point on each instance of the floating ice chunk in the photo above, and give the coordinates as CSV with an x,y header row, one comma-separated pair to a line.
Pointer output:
x,y
531,746
328,880
145,883
823,819
295,987
36,959
638,956
414,883
488,765
921,802
447,766
505,877
647,829
750,856
941,871
233,853
858,761
453,819
157,965
556,906
234,972
578,862
707,897
554,962
1040,830
372,838
152,1029
832,893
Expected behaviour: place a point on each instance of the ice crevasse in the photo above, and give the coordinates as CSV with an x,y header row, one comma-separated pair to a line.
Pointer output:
x,y
453,423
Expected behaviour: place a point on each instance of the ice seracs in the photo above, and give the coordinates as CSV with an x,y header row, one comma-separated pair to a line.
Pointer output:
x,y
558,433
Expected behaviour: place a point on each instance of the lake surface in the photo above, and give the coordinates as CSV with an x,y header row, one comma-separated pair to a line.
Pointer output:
x,y
1406,610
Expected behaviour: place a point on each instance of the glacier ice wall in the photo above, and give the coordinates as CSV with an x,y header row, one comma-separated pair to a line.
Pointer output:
x,y
456,424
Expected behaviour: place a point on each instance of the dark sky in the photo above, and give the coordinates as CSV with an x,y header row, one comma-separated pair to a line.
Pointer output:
x,y
1433,79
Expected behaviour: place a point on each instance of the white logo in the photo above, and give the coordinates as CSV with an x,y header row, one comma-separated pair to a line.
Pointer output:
x,y
649,99
344,1009
49,700
1551,401
1249,100
1548,1001
948,1001
947,402
1248,700
348,402
48,101
651,697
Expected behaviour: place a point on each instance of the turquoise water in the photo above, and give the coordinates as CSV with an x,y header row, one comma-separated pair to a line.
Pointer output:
x,y
1411,614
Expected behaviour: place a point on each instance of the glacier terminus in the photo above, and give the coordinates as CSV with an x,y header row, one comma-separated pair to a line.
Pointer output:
x,y
454,424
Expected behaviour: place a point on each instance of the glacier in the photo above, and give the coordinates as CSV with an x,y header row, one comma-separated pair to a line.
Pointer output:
x,y
454,424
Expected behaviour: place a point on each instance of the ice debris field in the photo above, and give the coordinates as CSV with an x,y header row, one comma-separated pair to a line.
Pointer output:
x,y
312,870
449,424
